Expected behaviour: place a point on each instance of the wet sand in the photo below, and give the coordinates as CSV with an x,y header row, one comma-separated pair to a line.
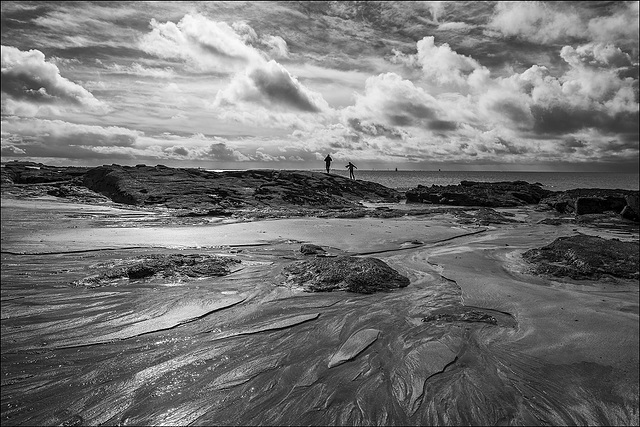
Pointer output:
x,y
245,349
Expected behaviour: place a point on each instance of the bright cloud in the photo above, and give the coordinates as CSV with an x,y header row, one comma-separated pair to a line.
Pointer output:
x,y
222,82
29,82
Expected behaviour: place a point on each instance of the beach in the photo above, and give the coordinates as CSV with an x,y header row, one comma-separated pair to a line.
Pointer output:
x,y
474,338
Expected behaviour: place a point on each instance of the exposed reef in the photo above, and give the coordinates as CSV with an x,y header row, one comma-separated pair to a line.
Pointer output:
x,y
584,201
196,188
196,193
172,267
586,257
344,273
485,194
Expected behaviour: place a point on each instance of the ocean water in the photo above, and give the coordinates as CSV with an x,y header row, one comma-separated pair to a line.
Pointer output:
x,y
554,181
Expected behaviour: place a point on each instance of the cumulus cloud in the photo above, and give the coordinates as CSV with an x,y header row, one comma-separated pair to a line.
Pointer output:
x,y
277,46
261,91
536,21
440,64
543,22
203,43
29,82
535,105
393,101
210,45
599,55
271,85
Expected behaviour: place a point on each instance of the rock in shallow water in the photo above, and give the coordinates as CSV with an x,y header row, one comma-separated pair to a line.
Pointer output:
x,y
173,267
344,273
586,257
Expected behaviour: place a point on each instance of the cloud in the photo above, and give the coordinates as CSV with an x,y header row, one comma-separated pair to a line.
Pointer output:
x,y
272,86
211,45
205,44
139,70
620,28
440,64
277,46
596,55
395,102
549,23
28,82
454,26
261,92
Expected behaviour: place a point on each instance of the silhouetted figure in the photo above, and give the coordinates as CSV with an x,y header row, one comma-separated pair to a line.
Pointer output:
x,y
327,162
351,166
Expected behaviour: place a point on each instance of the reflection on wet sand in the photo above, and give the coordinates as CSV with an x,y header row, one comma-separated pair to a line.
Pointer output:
x,y
473,339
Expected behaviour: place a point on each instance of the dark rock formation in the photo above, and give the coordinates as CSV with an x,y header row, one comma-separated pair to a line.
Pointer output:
x,y
586,257
344,273
585,201
173,267
485,194
196,188
310,249
37,173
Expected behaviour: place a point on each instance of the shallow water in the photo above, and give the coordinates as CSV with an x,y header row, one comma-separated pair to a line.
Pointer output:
x,y
245,350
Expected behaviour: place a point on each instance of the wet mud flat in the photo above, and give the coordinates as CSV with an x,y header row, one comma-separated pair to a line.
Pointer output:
x,y
475,338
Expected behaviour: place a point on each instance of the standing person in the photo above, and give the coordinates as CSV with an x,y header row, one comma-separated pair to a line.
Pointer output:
x,y
327,162
351,166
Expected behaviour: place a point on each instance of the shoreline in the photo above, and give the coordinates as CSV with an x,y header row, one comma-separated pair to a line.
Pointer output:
x,y
582,331
145,314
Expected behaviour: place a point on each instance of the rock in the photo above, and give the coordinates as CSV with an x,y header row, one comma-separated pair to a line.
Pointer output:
x,y
309,249
354,345
586,201
591,205
197,188
344,273
631,211
586,257
173,267
484,194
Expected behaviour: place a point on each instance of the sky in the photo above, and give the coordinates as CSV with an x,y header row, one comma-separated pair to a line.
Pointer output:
x,y
512,86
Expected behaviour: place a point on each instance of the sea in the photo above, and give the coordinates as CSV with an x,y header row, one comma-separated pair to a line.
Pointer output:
x,y
554,181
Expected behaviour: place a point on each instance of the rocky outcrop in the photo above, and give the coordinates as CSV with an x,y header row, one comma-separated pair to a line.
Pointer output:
x,y
196,188
585,257
172,267
344,273
483,194
311,249
38,173
585,201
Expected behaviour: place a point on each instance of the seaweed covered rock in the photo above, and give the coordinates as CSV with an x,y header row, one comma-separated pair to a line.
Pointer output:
x,y
586,257
485,194
344,273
